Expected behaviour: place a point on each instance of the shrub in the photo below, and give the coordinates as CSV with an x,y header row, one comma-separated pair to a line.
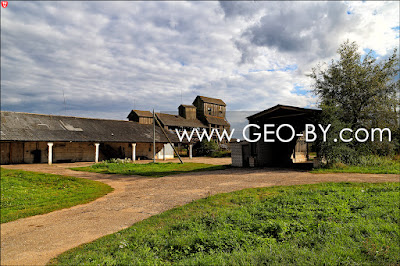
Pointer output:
x,y
220,154
206,148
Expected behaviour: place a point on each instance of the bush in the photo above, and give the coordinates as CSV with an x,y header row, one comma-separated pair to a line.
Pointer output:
x,y
365,161
206,148
104,163
220,154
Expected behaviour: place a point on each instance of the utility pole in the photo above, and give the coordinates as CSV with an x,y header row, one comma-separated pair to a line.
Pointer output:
x,y
165,134
65,104
154,138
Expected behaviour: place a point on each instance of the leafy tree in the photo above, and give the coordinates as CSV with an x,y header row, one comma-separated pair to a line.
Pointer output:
x,y
357,92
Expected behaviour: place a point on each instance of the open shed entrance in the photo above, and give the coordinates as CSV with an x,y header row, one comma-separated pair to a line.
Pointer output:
x,y
278,153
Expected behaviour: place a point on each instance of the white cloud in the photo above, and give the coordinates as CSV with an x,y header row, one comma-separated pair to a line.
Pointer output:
x,y
106,55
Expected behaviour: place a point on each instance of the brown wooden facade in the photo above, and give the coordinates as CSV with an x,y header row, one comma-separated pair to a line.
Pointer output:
x,y
205,112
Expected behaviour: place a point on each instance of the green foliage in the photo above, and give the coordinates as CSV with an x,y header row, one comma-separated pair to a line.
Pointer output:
x,y
370,164
221,153
354,93
321,224
26,194
206,148
149,169
116,160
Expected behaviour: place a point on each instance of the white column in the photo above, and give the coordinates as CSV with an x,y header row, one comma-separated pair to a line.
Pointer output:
x,y
164,147
96,159
133,152
190,150
50,160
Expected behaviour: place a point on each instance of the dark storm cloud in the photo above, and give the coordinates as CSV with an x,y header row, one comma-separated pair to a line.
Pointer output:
x,y
294,27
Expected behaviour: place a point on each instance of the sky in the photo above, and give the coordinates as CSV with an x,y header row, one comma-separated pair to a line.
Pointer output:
x,y
102,59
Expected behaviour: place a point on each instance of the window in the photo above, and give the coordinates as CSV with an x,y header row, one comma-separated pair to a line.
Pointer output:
x,y
209,110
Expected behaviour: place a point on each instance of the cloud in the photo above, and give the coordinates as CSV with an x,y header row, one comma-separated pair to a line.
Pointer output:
x,y
310,31
109,57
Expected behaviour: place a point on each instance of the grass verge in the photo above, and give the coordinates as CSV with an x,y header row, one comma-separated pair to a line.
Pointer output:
x,y
26,193
366,165
149,169
331,223
358,169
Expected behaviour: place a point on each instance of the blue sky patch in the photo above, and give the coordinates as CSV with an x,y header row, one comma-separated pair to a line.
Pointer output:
x,y
373,53
299,90
284,69
398,31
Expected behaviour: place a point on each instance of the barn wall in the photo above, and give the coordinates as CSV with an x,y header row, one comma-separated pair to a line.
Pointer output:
x,y
169,152
124,150
5,152
30,148
24,152
146,149
73,152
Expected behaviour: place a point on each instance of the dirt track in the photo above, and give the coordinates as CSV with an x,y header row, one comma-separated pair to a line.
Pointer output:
x,y
35,240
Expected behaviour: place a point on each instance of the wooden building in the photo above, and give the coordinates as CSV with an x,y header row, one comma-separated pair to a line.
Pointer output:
x,y
275,153
205,112
37,138
142,117
211,112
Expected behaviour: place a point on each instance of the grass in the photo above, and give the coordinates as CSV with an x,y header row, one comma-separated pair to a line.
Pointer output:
x,y
367,165
26,193
149,169
322,224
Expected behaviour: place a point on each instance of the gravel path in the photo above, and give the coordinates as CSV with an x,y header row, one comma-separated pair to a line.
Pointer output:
x,y
37,239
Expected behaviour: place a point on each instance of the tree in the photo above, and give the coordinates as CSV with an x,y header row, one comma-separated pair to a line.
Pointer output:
x,y
357,92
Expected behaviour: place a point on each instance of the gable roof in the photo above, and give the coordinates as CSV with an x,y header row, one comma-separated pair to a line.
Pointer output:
x,y
279,111
187,105
211,100
141,113
17,126
179,121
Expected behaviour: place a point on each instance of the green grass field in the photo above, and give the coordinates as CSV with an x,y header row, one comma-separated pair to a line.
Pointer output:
x,y
322,224
368,165
149,169
26,194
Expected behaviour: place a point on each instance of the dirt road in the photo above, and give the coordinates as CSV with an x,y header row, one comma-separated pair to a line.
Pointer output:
x,y
35,240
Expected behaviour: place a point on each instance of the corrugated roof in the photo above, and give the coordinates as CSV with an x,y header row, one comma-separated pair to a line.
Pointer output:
x,y
211,100
179,121
17,126
216,120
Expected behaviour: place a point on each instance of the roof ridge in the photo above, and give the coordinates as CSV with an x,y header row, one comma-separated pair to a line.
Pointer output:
x,y
106,119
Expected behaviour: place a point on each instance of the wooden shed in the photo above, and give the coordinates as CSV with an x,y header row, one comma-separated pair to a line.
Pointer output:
x,y
276,153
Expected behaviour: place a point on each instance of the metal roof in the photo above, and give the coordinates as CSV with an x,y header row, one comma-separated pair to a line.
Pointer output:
x,y
17,126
